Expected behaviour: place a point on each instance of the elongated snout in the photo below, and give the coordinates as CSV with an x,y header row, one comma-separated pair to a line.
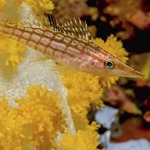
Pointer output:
x,y
126,71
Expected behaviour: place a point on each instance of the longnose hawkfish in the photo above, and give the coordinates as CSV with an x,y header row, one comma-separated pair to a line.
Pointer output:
x,y
69,45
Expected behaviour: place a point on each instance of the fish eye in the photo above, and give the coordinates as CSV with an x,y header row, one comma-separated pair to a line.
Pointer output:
x,y
109,64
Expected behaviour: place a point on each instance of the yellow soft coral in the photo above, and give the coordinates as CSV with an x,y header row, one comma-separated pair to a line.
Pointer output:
x,y
2,4
85,90
113,46
34,123
9,127
38,6
12,51
86,139
84,93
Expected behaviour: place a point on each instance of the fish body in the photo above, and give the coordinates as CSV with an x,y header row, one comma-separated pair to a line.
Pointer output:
x,y
69,50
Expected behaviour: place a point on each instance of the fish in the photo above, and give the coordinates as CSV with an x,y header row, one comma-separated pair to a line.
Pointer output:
x,y
69,45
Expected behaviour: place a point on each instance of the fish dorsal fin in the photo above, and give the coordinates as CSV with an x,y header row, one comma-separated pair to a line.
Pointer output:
x,y
31,19
54,23
28,17
74,27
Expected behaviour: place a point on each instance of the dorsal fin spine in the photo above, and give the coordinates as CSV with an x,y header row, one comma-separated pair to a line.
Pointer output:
x,y
74,27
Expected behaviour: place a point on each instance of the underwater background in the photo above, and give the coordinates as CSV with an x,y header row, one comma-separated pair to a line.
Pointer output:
x,y
42,109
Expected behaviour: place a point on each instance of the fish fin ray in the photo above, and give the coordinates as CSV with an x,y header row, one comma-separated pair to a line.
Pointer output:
x,y
34,59
55,67
73,27
28,18
31,19
64,70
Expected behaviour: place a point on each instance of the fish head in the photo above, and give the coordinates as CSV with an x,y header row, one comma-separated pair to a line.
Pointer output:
x,y
114,67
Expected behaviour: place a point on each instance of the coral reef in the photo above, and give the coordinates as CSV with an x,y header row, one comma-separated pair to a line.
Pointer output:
x,y
40,108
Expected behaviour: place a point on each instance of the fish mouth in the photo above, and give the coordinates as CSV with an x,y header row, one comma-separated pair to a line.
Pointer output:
x,y
126,71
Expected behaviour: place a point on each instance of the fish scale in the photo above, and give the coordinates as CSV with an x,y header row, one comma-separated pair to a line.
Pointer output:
x,y
69,49
50,43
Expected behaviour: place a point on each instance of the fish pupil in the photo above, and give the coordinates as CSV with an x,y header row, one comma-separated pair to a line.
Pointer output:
x,y
109,64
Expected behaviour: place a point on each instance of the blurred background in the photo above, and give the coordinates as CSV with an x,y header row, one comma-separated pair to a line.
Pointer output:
x,y
125,121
